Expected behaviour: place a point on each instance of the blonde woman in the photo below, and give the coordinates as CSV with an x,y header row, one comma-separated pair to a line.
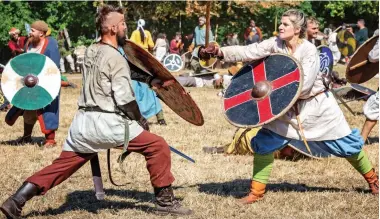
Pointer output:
x,y
320,115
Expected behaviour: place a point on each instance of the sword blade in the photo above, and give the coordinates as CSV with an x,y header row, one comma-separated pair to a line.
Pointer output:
x,y
181,154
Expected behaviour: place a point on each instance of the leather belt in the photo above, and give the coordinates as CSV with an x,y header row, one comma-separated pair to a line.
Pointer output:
x,y
95,109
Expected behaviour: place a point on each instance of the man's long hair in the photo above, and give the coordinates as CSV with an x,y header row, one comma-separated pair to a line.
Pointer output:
x,y
102,15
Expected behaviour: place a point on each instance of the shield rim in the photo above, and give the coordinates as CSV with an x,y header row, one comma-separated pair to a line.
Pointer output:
x,y
349,63
285,110
352,86
307,154
58,83
173,54
171,77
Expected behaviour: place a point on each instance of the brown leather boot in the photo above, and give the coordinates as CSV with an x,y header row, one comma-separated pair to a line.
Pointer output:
x,y
256,193
12,207
373,181
167,204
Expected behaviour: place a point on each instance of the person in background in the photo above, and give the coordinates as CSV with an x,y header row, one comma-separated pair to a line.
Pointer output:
x,y
65,52
312,33
333,46
146,98
142,37
362,34
48,116
160,48
176,44
16,43
252,33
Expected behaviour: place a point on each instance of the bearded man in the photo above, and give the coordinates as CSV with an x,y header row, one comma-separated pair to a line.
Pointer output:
x,y
312,31
107,107
48,116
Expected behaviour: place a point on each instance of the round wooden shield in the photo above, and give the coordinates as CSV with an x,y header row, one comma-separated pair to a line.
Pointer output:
x,y
173,94
263,90
359,70
326,60
347,49
3,100
31,81
173,62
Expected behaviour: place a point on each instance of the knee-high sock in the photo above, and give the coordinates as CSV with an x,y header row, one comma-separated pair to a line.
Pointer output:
x,y
262,167
360,162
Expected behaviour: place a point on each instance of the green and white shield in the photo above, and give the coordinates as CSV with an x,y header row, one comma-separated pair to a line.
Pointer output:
x,y
31,81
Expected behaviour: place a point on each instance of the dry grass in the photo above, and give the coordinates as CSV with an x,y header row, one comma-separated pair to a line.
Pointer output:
x,y
328,188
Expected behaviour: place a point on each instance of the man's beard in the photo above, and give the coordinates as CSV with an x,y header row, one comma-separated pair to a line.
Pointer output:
x,y
35,41
120,40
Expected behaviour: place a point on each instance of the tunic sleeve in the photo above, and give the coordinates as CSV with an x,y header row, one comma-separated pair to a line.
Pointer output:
x,y
250,52
121,83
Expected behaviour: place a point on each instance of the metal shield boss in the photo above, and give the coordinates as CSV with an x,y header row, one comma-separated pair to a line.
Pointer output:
x,y
172,94
31,81
263,90
359,69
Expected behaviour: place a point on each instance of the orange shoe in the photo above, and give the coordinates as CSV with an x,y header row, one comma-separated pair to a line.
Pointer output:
x,y
50,143
256,193
373,181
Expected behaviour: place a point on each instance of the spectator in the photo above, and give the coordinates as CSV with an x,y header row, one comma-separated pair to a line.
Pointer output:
x,y
176,44
362,34
252,34
65,53
17,42
161,47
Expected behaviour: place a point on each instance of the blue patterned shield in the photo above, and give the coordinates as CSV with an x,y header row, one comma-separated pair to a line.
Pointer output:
x,y
326,60
262,91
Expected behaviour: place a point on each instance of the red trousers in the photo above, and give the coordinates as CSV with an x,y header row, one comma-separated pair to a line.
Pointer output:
x,y
154,148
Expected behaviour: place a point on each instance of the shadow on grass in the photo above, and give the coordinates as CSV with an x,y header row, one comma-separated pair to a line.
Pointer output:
x,y
240,187
35,140
85,200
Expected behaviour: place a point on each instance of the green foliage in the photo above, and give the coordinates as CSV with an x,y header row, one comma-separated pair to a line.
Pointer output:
x,y
351,11
13,14
172,16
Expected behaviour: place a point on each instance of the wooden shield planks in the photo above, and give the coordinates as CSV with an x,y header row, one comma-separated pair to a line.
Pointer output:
x,y
173,94
359,70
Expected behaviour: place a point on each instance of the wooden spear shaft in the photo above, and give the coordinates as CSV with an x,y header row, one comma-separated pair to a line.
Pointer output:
x,y
208,7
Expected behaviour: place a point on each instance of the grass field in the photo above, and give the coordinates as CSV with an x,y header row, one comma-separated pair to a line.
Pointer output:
x,y
328,188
